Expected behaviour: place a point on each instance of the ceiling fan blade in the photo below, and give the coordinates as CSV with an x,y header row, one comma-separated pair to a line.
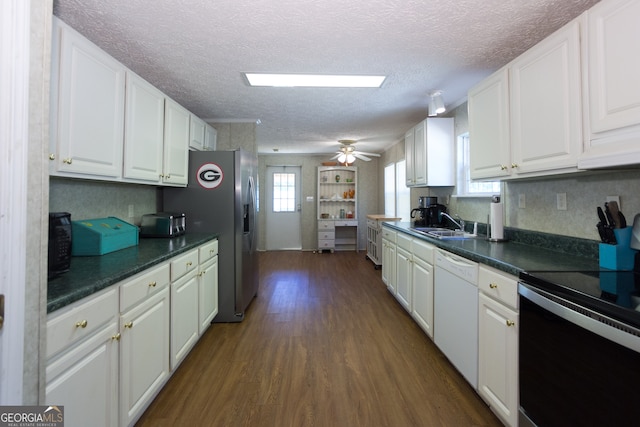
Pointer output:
x,y
369,154
336,156
361,157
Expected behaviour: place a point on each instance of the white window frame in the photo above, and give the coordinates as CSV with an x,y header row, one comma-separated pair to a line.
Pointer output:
x,y
465,187
397,196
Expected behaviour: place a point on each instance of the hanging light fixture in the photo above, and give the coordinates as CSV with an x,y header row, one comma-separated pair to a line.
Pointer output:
x,y
436,103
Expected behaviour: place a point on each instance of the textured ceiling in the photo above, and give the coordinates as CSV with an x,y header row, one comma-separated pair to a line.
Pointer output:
x,y
196,50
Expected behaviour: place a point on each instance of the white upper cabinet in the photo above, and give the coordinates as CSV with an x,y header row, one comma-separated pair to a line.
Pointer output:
x,y
87,108
144,128
196,139
429,153
210,138
176,143
525,120
612,108
546,104
489,146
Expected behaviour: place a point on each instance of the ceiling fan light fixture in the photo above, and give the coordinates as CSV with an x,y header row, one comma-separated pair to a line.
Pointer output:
x,y
314,80
436,103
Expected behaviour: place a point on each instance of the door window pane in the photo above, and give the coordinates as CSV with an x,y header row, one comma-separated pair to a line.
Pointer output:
x,y
284,192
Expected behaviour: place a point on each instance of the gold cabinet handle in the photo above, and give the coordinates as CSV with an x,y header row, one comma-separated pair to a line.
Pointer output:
x,y
212,251
82,324
67,161
153,284
189,264
510,323
128,325
52,156
514,165
168,176
493,285
116,337
503,167
161,176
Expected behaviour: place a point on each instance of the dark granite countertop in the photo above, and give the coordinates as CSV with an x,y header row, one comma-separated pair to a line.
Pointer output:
x,y
514,256
90,274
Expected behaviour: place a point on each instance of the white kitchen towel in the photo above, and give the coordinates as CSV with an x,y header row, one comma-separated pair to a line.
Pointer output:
x,y
497,218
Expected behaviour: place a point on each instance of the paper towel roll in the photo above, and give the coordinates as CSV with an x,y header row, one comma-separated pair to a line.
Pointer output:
x,y
497,221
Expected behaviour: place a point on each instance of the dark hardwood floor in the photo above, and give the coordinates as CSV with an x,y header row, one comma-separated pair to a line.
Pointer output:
x,y
323,344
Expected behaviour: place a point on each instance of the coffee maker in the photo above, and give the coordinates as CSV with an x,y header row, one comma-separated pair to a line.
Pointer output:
x,y
428,213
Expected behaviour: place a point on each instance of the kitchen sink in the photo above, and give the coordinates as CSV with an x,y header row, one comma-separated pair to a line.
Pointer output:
x,y
443,233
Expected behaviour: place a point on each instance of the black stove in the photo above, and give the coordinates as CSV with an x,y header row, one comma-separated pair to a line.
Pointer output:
x,y
613,293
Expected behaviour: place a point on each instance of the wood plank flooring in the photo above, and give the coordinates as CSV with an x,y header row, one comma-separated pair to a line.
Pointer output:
x,y
323,344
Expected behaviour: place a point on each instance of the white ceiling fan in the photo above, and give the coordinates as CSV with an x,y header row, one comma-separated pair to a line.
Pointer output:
x,y
348,154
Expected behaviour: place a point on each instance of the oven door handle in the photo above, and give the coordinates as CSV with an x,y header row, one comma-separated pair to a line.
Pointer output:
x,y
590,320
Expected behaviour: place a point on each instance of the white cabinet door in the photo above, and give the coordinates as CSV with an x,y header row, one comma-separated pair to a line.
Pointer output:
x,y
196,133
489,148
422,297
613,110
409,142
420,154
546,106
85,380
210,138
184,317
144,354
389,265
498,358
208,295
176,143
87,107
403,278
144,128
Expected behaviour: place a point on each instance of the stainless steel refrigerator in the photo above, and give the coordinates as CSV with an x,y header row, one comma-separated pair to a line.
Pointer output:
x,y
221,198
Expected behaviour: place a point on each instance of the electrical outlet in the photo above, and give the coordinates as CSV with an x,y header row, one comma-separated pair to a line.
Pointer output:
x,y
131,213
561,199
614,199
522,203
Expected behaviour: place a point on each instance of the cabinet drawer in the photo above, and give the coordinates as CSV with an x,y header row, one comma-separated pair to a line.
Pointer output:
x,y
143,285
325,225
423,250
389,234
404,241
183,264
498,285
346,223
208,251
326,244
326,235
81,319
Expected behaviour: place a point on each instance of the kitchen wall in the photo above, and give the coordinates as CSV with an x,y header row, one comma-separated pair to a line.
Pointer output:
x,y
585,191
367,193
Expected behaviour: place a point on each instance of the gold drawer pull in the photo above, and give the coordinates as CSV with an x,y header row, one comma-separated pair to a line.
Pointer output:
x,y
510,323
153,284
128,325
67,161
493,285
189,264
116,337
82,324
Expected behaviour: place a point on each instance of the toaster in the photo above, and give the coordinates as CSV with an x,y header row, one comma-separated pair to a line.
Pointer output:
x,y
163,224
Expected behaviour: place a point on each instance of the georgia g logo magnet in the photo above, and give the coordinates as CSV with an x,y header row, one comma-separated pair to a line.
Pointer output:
x,y
209,176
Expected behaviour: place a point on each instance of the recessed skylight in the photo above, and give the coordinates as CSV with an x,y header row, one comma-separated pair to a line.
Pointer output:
x,y
313,80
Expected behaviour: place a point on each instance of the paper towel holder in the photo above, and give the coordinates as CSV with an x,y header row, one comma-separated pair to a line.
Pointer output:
x,y
494,199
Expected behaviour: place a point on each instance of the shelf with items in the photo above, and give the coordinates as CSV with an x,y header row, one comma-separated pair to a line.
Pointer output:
x,y
337,208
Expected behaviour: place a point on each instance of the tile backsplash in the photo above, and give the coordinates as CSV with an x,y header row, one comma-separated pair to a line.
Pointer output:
x,y
94,199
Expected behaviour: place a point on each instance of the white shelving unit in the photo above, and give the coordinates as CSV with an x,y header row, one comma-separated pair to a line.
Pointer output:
x,y
337,208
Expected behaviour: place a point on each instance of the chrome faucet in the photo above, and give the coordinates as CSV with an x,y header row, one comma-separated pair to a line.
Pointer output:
x,y
459,223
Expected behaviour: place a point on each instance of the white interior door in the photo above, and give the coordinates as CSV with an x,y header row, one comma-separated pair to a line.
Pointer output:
x,y
283,207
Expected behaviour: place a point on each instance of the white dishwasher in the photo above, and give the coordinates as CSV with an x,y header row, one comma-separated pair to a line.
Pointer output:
x,y
455,324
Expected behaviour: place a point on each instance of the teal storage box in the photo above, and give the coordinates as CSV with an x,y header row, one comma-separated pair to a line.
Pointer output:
x,y
101,236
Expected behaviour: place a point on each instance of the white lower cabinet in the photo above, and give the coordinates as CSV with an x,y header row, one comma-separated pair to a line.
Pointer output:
x,y
422,281
109,354
404,271
85,359
144,355
389,259
498,343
